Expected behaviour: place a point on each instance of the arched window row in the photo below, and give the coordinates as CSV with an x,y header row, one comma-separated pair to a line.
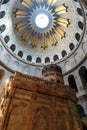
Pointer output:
x,y
39,59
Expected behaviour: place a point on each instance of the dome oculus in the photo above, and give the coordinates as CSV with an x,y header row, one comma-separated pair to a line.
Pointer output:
x,y
42,20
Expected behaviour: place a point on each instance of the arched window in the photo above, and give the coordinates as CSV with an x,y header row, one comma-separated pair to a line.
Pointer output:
x,y
6,39
71,46
12,47
72,82
2,28
83,75
80,24
79,11
2,14
5,1
20,54
77,36
47,60
64,53
56,58
38,60
29,58
2,72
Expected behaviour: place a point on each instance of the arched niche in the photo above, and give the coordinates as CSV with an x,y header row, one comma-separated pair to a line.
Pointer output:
x,y
42,119
18,118
83,75
72,83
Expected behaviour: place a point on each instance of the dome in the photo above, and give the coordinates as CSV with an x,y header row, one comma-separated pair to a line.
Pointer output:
x,y
40,32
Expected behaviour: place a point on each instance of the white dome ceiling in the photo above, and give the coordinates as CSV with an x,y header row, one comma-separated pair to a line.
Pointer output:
x,y
41,31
